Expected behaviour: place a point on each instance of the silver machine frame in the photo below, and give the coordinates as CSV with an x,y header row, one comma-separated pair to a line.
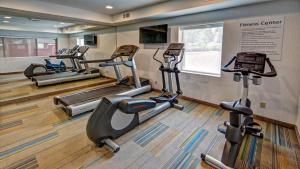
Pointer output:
x,y
118,122
79,108
241,121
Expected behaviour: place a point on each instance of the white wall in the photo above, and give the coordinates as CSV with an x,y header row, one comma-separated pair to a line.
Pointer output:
x,y
280,93
18,64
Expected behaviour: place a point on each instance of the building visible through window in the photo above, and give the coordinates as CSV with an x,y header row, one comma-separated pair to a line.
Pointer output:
x,y
46,47
27,47
203,48
19,47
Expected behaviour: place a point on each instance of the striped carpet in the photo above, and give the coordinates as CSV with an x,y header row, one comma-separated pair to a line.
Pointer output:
x,y
37,134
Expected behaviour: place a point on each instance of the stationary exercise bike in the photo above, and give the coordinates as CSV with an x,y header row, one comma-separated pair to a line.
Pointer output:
x,y
241,116
117,115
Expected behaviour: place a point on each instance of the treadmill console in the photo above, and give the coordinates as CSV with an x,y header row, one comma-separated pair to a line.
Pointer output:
x,y
250,61
174,49
126,50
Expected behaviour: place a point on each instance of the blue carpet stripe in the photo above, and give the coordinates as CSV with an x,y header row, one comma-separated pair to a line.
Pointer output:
x,y
183,158
252,151
195,163
189,146
31,143
186,161
150,134
147,130
153,136
212,144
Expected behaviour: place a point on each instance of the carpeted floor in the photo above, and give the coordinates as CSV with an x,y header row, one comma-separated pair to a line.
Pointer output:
x,y
38,134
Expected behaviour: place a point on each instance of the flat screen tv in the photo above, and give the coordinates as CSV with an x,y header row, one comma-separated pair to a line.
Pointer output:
x,y
90,40
154,34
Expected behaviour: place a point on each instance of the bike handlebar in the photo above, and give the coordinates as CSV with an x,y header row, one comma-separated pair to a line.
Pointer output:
x,y
272,72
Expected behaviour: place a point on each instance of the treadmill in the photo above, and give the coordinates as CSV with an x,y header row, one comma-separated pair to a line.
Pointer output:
x,y
87,100
78,73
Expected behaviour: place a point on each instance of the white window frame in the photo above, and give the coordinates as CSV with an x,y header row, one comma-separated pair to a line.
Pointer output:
x,y
208,25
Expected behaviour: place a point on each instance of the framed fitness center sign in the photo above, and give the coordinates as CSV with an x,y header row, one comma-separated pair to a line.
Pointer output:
x,y
264,35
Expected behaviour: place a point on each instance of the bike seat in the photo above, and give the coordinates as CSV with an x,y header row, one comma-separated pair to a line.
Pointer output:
x,y
236,107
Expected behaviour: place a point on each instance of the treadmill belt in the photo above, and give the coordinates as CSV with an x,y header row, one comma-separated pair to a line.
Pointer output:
x,y
92,94
54,76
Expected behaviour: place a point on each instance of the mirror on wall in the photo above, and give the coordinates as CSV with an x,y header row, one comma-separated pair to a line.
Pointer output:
x,y
26,41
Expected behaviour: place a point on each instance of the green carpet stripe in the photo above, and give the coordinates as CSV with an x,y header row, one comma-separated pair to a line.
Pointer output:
x,y
31,143
10,124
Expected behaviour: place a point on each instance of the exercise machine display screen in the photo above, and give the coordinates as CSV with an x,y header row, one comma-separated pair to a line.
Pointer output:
x,y
250,61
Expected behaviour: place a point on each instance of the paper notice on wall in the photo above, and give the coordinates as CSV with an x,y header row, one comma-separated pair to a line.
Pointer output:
x,y
262,35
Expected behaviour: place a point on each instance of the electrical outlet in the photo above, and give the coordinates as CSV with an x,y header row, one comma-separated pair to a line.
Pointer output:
x,y
263,105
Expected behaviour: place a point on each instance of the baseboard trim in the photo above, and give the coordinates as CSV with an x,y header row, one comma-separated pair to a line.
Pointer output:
x,y
11,73
258,117
277,122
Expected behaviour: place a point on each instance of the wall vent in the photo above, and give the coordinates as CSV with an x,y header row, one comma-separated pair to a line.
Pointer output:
x,y
126,15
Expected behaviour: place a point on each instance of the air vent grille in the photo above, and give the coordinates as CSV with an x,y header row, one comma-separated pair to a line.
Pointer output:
x,y
126,15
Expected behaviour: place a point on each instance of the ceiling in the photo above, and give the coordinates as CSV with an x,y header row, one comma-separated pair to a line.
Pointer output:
x,y
32,24
23,21
99,5
83,15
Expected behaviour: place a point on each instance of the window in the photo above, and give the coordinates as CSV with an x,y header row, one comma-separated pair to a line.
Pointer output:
x,y
19,47
203,48
46,47
80,41
24,47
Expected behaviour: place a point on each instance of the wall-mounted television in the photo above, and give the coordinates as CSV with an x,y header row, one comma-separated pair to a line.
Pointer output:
x,y
90,40
154,34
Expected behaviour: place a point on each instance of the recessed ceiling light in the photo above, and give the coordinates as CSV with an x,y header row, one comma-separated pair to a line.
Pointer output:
x,y
7,17
109,7
62,23
5,21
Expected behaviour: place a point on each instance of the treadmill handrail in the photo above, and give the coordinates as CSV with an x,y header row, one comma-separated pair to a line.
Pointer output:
x,y
63,56
113,63
95,61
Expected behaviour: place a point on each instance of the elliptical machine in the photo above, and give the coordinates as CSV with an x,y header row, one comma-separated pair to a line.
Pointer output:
x,y
241,116
117,115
